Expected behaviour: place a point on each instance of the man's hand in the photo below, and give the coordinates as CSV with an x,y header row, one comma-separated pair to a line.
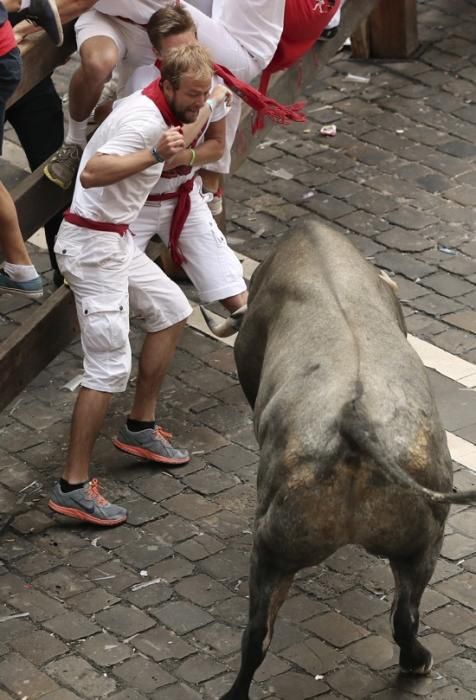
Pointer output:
x,y
170,142
24,29
221,93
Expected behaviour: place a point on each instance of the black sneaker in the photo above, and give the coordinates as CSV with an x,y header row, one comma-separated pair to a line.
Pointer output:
x,y
45,14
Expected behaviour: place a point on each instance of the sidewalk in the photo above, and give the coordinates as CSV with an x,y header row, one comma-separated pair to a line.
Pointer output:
x,y
155,608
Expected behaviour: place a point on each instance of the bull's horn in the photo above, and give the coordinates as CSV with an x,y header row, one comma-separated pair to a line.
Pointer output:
x,y
391,283
223,329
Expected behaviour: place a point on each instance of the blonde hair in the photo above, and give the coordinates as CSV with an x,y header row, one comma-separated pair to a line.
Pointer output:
x,y
168,21
191,60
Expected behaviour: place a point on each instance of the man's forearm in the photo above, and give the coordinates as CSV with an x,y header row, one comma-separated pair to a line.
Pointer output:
x,y
103,169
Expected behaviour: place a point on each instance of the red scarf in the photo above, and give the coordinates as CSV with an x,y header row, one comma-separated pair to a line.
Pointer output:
x,y
182,209
304,22
263,105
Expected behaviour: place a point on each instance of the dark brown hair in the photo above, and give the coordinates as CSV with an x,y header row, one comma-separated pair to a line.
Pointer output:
x,y
169,20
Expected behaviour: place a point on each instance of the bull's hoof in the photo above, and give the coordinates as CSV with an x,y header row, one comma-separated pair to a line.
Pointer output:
x,y
417,663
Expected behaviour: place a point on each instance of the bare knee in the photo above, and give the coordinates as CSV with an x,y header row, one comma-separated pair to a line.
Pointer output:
x,y
99,55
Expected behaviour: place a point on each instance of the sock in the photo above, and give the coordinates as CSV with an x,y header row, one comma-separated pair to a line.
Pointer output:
x,y
66,487
135,425
76,132
25,4
20,273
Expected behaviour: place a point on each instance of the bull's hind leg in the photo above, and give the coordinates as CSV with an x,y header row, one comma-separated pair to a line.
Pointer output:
x,y
268,590
411,578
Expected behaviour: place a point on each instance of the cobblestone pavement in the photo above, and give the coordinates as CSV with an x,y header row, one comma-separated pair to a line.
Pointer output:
x,y
78,618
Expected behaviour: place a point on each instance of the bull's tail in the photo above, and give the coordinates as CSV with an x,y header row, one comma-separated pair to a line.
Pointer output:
x,y
357,429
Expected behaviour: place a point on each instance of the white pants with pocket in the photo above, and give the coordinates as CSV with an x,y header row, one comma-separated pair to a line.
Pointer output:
x,y
108,274
211,265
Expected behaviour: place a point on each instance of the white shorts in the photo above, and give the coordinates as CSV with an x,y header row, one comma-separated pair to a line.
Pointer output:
x,y
132,41
211,265
108,274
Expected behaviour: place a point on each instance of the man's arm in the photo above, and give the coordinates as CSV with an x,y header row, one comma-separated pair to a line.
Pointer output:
x,y
209,151
105,169
218,95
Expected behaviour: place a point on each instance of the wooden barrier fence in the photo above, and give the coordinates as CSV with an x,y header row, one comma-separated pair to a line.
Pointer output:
x,y
374,24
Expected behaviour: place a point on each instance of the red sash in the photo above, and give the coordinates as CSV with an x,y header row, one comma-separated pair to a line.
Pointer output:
x,y
82,221
263,105
182,209
179,217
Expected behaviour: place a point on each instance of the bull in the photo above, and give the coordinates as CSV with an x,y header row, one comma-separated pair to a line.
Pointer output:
x,y
352,450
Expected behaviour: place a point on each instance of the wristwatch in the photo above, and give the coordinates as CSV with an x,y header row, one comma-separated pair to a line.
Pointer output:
x,y
156,155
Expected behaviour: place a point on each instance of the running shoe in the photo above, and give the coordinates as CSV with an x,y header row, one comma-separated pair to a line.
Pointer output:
x,y
86,503
152,444
63,165
45,14
30,288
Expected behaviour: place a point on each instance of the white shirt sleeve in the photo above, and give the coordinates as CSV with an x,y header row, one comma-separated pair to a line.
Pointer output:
x,y
132,136
221,111
140,78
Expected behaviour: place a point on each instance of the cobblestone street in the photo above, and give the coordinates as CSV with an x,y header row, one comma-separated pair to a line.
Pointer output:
x,y
155,608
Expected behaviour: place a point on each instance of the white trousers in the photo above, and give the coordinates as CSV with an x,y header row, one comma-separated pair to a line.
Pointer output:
x,y
108,274
211,265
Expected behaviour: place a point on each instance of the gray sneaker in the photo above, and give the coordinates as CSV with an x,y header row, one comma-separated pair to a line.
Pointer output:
x,y
63,166
33,289
45,14
152,444
87,504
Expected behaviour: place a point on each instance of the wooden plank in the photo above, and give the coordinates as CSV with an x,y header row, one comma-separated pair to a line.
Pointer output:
x,y
361,41
37,200
35,343
40,57
393,29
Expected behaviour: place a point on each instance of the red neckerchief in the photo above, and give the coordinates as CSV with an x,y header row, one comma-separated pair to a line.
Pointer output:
x,y
154,92
181,169
263,105
182,209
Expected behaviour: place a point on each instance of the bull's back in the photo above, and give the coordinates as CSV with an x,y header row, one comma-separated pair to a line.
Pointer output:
x,y
329,338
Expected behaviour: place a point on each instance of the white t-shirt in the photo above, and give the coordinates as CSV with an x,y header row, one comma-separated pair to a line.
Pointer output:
x,y
140,79
255,24
134,124
138,11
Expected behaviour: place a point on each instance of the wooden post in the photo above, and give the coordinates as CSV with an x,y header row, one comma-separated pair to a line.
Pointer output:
x,y
393,29
360,41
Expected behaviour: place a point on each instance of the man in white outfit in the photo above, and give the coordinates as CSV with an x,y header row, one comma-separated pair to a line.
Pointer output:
x,y
203,252
107,273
